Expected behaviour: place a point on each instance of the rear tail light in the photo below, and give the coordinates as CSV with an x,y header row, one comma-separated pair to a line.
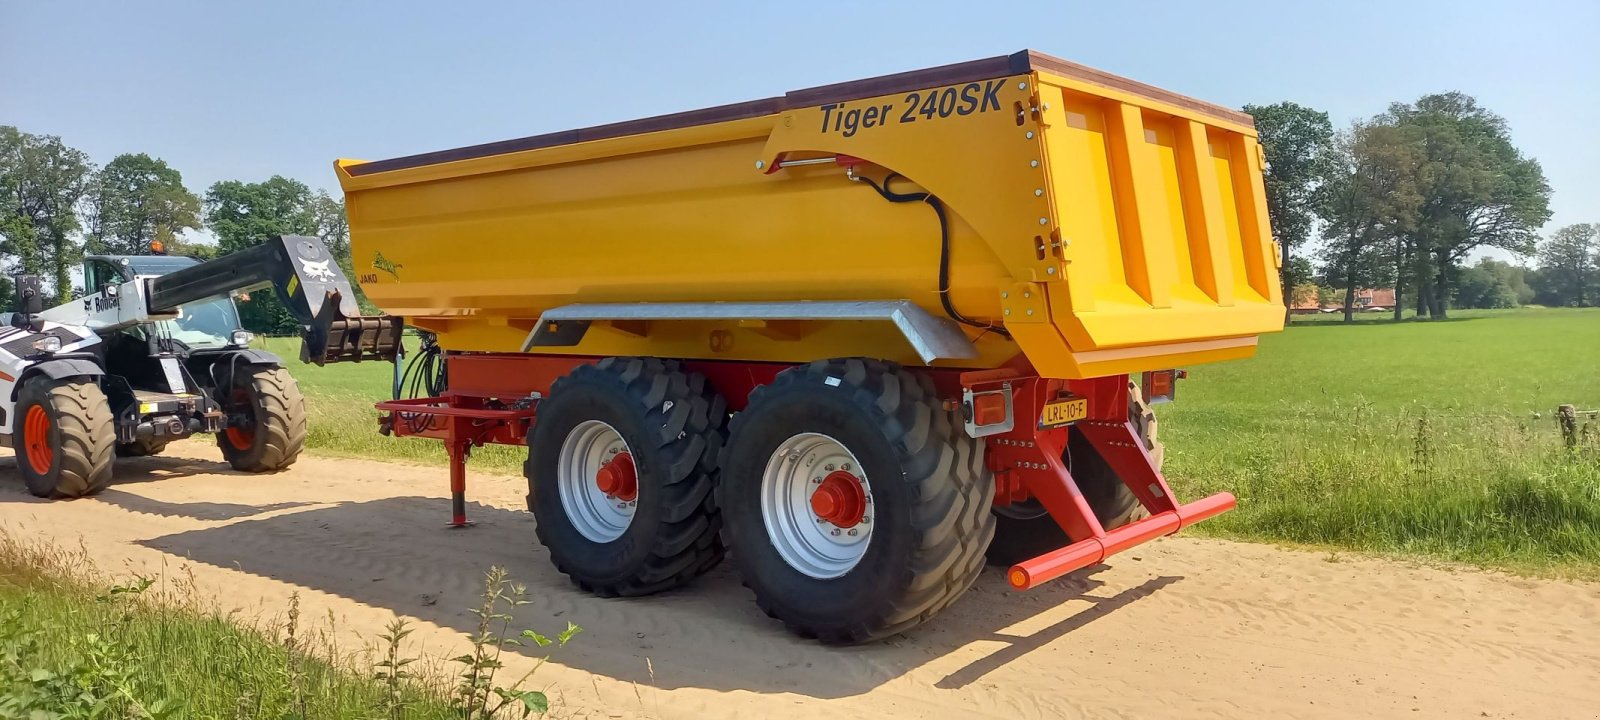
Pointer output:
x,y
988,412
988,409
1161,386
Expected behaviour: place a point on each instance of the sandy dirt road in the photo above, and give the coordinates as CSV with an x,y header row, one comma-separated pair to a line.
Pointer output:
x,y
1178,628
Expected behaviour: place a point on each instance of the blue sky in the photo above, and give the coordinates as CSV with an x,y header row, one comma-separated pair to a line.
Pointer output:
x,y
227,90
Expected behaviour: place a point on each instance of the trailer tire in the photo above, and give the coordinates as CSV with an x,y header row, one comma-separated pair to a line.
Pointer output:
x,y
141,448
276,432
925,483
1026,530
671,425
65,437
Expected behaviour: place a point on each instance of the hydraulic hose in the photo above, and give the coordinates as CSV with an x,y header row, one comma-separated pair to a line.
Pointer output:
x,y
944,247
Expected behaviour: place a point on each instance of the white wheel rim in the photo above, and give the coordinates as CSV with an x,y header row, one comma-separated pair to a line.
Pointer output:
x,y
595,515
810,544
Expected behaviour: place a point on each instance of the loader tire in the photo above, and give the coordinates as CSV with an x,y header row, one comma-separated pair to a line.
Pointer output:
x,y
1025,530
274,431
925,493
658,527
64,437
141,448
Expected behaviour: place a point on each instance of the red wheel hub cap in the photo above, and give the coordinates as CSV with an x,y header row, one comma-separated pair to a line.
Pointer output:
x,y
617,478
840,499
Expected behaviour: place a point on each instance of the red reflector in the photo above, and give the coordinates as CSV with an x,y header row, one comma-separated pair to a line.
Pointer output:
x,y
989,409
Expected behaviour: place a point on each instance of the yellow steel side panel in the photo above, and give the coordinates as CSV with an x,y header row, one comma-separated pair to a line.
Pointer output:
x,y
979,158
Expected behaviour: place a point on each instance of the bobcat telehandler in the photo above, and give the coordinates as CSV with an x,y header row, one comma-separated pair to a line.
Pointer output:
x,y
155,353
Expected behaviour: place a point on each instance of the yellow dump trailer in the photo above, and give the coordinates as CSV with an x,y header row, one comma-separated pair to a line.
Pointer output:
x,y
934,285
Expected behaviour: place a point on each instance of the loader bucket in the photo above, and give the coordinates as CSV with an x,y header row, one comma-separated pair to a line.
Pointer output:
x,y
333,338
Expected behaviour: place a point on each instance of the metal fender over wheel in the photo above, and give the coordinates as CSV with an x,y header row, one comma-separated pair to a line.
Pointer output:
x,y
854,504
1026,531
64,437
141,448
266,427
621,463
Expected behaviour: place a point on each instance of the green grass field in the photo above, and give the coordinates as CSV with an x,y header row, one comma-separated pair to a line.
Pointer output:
x,y
1415,438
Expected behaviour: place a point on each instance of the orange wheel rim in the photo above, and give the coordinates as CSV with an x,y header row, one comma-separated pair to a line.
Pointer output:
x,y
36,426
241,438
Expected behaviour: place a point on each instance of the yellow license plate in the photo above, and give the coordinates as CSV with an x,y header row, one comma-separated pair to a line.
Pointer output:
x,y
1062,412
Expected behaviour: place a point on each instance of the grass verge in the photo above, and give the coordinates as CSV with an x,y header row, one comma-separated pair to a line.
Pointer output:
x,y
75,645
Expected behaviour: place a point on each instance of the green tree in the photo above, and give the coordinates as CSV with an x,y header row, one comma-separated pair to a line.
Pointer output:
x,y
1369,199
42,182
1569,265
1492,284
1477,190
243,215
1296,140
136,200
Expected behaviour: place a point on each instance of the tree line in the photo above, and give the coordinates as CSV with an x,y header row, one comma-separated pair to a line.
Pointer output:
x,y
1403,198
56,206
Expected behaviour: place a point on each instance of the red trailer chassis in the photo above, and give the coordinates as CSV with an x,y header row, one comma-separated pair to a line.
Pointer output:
x,y
493,398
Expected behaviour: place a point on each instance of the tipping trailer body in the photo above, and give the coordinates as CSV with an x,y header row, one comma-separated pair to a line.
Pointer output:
x,y
864,336
1110,227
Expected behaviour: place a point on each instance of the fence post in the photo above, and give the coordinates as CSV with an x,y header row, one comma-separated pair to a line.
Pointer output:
x,y
1567,415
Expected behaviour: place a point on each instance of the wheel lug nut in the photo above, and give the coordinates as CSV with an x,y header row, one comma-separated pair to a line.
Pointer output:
x,y
866,520
816,480
845,466
829,468
852,532
821,521
836,531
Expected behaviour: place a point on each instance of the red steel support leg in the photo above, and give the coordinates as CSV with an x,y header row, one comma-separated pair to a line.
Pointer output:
x,y
459,447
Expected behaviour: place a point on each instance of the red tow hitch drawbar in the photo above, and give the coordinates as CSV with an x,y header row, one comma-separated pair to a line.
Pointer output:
x,y
1084,553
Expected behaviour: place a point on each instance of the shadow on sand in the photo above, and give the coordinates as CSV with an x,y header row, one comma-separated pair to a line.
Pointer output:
x,y
392,553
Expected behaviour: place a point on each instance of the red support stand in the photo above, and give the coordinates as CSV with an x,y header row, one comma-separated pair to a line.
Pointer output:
x,y
462,422
459,451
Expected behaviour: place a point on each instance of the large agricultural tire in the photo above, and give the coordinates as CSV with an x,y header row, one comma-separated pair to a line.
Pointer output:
x,y
64,437
274,432
621,465
884,560
141,448
1026,530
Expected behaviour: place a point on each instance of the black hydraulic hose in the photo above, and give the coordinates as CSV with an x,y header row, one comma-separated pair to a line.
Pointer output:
x,y
944,248
425,372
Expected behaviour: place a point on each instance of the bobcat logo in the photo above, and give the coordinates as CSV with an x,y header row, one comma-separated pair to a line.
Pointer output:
x,y
317,270
385,264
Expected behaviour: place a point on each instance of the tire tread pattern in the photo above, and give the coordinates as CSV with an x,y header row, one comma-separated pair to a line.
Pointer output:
x,y
954,490
691,437
280,423
82,416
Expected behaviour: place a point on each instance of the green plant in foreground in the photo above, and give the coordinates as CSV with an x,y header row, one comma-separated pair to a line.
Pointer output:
x,y
391,670
96,683
477,696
